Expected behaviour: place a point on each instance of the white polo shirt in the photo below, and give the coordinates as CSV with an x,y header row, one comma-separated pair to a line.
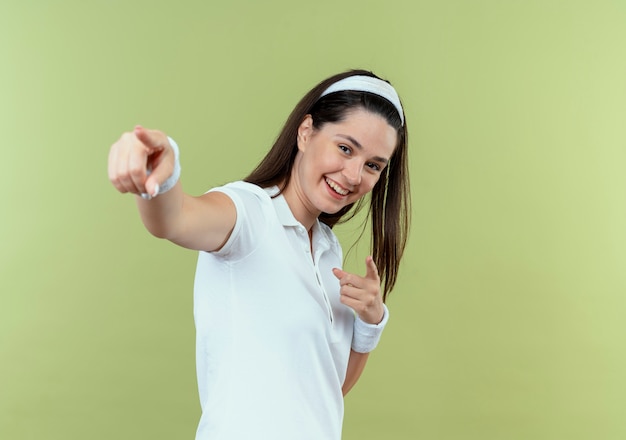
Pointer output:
x,y
273,339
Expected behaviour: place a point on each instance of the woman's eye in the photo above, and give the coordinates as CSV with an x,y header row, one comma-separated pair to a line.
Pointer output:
x,y
344,148
374,166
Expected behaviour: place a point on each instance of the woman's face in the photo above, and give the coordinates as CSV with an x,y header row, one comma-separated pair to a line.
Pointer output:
x,y
339,163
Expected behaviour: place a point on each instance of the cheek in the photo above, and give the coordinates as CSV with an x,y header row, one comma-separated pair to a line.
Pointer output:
x,y
370,180
325,163
367,185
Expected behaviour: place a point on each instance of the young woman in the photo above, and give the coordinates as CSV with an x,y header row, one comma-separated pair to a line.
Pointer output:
x,y
282,331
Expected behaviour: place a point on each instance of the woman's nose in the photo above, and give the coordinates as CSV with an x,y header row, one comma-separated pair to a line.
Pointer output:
x,y
352,172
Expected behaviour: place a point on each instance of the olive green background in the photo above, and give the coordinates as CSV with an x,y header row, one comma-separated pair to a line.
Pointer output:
x,y
508,319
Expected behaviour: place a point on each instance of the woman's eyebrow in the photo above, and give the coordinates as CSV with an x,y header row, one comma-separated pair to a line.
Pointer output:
x,y
360,147
352,140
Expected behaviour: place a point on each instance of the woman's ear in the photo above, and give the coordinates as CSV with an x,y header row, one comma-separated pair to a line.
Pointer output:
x,y
305,131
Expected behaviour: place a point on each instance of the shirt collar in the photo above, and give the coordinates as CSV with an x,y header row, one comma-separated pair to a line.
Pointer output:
x,y
282,208
320,241
284,214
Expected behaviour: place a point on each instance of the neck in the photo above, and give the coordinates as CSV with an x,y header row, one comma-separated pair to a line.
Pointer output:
x,y
298,207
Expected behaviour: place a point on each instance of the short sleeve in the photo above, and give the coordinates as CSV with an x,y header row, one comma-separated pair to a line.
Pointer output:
x,y
252,205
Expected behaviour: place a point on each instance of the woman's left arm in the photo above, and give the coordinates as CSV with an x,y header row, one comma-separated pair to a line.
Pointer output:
x,y
362,294
356,365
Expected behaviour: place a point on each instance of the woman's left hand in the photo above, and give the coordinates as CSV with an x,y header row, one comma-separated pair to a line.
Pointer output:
x,y
362,294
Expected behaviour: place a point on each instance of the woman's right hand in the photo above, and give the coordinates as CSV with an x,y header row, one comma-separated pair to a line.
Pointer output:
x,y
140,161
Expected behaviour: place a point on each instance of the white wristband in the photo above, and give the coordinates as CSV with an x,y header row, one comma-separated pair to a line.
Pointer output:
x,y
171,181
366,336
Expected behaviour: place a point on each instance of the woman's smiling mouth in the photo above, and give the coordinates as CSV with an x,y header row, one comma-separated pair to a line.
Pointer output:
x,y
338,189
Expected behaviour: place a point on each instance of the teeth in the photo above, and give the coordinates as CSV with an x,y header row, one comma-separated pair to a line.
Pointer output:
x,y
337,188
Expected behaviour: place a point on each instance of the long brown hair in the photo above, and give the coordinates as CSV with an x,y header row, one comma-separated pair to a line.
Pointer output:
x,y
389,208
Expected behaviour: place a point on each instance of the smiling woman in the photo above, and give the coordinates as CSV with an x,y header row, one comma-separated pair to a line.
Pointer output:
x,y
282,331
343,167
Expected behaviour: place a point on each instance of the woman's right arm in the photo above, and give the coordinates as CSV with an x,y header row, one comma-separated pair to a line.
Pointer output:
x,y
200,223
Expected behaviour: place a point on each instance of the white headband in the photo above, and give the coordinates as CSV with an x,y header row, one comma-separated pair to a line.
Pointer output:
x,y
362,83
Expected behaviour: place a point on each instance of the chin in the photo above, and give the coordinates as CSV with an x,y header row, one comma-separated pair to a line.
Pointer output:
x,y
331,211
336,209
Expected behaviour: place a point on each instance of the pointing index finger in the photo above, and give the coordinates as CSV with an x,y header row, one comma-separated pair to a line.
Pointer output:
x,y
339,274
150,138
